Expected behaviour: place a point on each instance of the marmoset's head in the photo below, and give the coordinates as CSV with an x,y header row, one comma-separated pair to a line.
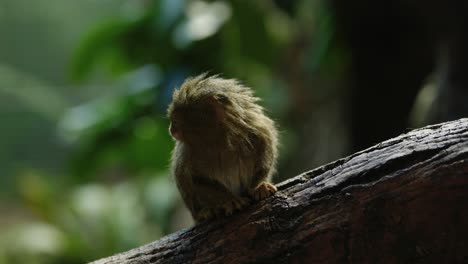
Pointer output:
x,y
212,109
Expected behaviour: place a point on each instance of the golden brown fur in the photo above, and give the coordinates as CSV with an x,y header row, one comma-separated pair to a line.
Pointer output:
x,y
226,147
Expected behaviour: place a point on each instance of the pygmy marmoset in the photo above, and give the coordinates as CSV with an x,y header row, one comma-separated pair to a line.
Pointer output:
x,y
226,147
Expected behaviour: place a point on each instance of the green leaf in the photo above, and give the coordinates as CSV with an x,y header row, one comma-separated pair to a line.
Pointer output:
x,y
102,45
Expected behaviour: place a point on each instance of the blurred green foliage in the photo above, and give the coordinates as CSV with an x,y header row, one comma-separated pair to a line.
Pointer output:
x,y
114,191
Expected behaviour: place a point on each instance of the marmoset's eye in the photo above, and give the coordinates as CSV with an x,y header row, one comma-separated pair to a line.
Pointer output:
x,y
223,99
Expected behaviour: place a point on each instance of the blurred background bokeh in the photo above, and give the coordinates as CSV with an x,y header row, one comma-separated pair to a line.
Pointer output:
x,y
84,86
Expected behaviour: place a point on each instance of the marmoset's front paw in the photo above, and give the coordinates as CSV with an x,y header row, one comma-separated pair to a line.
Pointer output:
x,y
262,191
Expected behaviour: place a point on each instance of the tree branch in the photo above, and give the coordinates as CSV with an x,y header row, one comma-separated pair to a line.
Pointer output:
x,y
404,200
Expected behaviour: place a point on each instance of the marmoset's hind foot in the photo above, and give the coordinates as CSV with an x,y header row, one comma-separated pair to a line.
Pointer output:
x,y
231,206
205,214
262,191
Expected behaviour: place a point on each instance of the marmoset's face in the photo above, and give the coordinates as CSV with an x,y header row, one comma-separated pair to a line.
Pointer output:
x,y
195,123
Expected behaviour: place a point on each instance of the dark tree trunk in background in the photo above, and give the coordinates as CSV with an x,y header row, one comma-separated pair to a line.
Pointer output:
x,y
404,200
452,101
394,46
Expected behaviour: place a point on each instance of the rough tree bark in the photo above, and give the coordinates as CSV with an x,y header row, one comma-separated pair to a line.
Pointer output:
x,y
404,200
